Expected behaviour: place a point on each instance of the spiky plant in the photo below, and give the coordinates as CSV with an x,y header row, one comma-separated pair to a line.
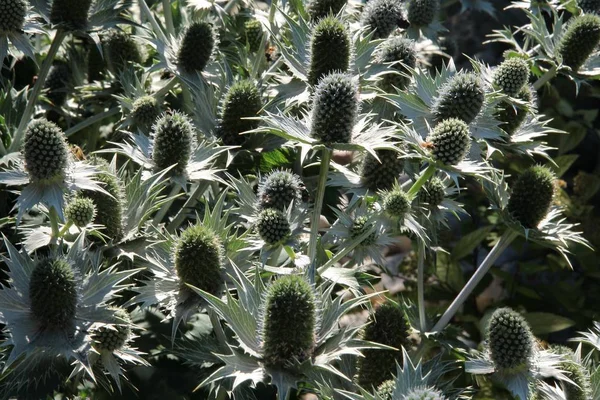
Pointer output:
x,y
330,49
273,226
396,203
531,196
81,211
45,151
383,17
254,34
422,12
511,76
581,388
388,326
120,49
462,97
450,141
385,391
360,226
197,46
511,115
111,338
57,83
335,109
145,111
12,15
579,40
321,8
424,394
402,53
433,192
278,189
173,136
242,100
71,14
383,173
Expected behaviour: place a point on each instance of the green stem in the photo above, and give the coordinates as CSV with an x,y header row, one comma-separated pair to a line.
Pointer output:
x,y
165,207
37,88
168,17
502,244
190,202
316,217
54,220
65,229
412,192
551,73
421,287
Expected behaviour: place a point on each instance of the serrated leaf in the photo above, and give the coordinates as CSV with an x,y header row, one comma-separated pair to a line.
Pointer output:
x,y
543,323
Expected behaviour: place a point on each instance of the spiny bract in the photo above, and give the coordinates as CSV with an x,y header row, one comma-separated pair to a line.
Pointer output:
x,y
396,203
197,45
71,14
254,33
383,17
335,108
12,15
241,101
173,135
199,259
511,343
56,83
120,49
289,322
114,337
145,111
400,50
451,141
273,226
422,12
388,326
512,116
531,196
461,97
322,8
424,394
329,49
383,173
278,189
360,226
53,293
45,151
433,192
386,390
80,211
511,76
579,40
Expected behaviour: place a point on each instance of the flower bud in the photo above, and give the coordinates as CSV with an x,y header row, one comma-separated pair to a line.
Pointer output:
x,y
382,174
114,337
71,14
461,97
278,189
397,48
385,391
53,293
396,203
512,116
12,15
424,394
80,211
254,34
531,196
289,322
422,12
383,17
432,192
451,141
360,226
510,340
197,46
120,49
45,151
145,111
318,9
329,49
173,136
273,226
579,40
511,76
56,83
241,101
335,109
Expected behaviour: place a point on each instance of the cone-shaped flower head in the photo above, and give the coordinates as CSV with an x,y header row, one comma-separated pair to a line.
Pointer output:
x,y
396,203
199,259
145,111
173,138
512,116
254,34
461,97
383,16
579,40
45,151
273,226
451,141
56,83
531,196
386,390
321,8
582,390
422,12
80,211
432,192
511,343
53,293
424,394
241,101
12,15
511,76
114,337
278,189
397,48
289,321
335,108
360,226
120,49
71,14
329,49
197,46
589,6
382,174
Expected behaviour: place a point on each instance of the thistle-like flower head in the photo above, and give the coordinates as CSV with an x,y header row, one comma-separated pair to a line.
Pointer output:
x,y
383,16
254,33
511,342
385,391
422,12
318,9
241,101
56,83
511,76
197,45
111,338
531,196
394,49
145,111
273,226
289,321
451,141
579,40
120,49
512,116
278,189
433,192
173,135
360,225
424,394
71,14
12,15
45,151
383,173
81,211
329,49
461,97
396,203
335,108
199,259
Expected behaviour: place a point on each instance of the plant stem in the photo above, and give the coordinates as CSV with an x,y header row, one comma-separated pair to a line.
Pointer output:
x,y
421,287
190,202
65,229
168,17
414,189
53,215
316,217
551,73
37,88
165,207
481,271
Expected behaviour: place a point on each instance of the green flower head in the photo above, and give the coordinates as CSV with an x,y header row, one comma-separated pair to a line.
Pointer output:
x,y
197,45
582,390
289,322
580,39
145,111
120,49
433,192
461,97
71,14
511,76
318,9
531,196
383,17
12,15
386,390
254,34
451,141
511,343
241,101
173,135
396,203
56,83
422,12
329,49
360,226
114,337
382,174
512,116
424,394
335,108
199,257
80,211
278,189
397,48
53,293
45,151
273,226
